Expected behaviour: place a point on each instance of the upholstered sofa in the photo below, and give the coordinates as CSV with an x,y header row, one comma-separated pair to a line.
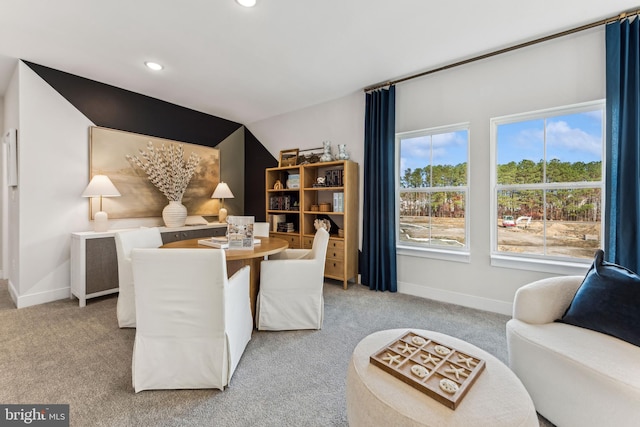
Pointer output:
x,y
575,376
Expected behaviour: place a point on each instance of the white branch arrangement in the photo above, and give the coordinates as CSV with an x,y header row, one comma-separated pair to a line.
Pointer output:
x,y
167,169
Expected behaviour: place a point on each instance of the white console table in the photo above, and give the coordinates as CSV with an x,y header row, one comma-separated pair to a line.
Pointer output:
x,y
94,263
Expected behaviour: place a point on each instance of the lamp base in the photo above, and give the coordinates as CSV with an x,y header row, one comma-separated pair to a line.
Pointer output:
x,y
100,221
222,215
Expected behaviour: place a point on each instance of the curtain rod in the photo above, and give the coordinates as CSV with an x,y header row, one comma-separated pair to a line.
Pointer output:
x,y
618,17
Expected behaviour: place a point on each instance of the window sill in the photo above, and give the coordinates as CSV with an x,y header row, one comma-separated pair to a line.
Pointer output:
x,y
440,254
542,265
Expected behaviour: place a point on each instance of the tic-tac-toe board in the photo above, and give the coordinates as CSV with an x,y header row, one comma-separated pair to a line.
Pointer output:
x,y
441,371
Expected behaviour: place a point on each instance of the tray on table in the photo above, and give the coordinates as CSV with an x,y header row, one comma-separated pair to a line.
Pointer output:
x,y
424,364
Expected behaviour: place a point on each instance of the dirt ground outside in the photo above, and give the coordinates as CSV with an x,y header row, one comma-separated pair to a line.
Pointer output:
x,y
564,238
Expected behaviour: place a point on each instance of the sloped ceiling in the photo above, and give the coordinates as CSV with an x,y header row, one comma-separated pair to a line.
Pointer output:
x,y
247,65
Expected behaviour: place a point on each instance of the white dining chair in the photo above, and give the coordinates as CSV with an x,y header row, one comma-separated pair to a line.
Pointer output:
x,y
261,229
193,323
290,295
125,242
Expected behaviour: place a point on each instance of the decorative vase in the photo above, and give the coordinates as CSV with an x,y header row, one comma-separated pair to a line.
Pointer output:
x,y
174,214
326,157
342,152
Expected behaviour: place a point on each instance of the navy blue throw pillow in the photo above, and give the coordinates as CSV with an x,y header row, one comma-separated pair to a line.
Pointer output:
x,y
607,301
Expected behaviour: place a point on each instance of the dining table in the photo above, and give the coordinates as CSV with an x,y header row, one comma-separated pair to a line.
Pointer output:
x,y
240,257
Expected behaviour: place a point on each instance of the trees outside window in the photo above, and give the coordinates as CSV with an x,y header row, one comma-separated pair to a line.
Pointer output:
x,y
548,182
433,190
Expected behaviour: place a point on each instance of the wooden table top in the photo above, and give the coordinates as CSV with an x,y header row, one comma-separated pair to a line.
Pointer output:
x,y
267,246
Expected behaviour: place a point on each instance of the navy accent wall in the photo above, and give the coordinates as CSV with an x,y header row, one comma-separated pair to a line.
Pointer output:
x,y
112,107
116,108
256,160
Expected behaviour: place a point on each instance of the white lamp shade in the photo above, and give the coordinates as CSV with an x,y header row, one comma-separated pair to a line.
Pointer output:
x,y
222,191
100,185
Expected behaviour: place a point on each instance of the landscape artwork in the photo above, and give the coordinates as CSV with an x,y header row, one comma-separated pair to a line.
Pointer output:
x,y
108,150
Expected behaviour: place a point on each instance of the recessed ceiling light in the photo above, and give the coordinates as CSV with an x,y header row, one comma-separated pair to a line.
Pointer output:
x,y
154,65
246,3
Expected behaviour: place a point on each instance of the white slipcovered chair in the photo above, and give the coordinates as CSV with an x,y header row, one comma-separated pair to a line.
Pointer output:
x,y
125,242
291,285
193,323
261,229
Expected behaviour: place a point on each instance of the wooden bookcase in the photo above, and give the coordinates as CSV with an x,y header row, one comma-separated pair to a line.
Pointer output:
x,y
296,207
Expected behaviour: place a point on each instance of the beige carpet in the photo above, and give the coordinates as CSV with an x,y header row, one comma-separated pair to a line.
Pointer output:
x,y
60,353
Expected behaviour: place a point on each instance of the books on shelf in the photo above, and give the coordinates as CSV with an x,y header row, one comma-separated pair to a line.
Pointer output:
x,y
220,242
283,203
334,178
338,202
286,227
276,219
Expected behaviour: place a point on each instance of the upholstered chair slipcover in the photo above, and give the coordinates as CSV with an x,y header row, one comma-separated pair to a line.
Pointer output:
x,y
290,294
125,241
261,229
193,323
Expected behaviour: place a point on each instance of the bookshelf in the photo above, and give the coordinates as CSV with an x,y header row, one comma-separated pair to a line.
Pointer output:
x,y
297,208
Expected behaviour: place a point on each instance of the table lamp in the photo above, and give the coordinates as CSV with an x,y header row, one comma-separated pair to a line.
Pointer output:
x,y
222,192
100,186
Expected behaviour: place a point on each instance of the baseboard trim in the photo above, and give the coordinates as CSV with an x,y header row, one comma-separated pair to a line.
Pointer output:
x,y
41,297
465,300
12,292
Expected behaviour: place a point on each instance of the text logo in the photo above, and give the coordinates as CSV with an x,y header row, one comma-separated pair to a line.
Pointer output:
x,y
34,415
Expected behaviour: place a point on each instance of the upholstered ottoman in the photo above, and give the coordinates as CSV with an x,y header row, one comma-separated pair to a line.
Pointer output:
x,y
376,398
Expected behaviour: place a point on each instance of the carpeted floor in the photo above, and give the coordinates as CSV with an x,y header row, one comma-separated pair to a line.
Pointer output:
x,y
60,353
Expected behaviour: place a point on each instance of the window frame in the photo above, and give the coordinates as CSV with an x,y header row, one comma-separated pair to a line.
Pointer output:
x,y
461,254
533,262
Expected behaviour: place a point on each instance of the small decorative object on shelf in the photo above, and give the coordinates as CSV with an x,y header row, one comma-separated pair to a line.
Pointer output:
x,y
170,173
320,182
342,152
326,156
293,181
288,157
322,223
277,185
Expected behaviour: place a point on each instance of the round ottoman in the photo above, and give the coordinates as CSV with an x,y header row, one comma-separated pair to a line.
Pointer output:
x,y
376,398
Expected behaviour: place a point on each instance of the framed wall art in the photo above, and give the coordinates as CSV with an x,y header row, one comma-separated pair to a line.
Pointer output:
x,y
108,150
288,157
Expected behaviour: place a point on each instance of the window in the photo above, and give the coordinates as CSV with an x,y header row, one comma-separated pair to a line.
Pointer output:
x,y
548,183
433,190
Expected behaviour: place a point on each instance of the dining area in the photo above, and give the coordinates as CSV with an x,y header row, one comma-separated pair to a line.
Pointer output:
x,y
194,307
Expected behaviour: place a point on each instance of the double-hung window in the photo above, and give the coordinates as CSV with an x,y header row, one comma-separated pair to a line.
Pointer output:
x,y
433,191
547,186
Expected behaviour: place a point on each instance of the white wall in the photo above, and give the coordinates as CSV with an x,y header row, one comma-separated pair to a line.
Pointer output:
x,y
560,72
10,255
53,172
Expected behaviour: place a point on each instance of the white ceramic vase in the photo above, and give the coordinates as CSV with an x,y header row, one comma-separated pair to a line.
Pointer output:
x,y
342,152
326,156
174,214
